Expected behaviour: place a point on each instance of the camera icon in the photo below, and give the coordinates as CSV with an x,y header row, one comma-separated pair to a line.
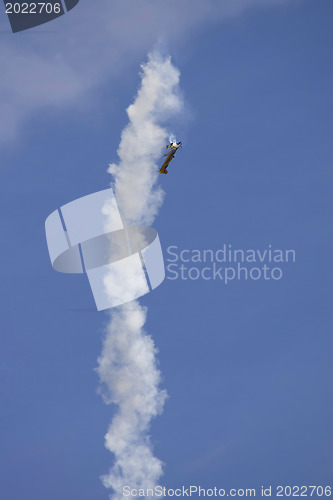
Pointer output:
x,y
88,236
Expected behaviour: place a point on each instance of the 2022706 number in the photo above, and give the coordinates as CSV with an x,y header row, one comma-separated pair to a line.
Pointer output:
x,y
303,491
33,8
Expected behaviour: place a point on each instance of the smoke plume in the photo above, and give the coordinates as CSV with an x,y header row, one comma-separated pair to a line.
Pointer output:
x,y
127,366
142,140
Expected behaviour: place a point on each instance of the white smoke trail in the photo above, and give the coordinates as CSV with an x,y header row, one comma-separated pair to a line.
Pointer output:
x,y
143,139
127,366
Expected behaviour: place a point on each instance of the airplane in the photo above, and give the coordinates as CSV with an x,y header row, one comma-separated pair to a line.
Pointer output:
x,y
171,150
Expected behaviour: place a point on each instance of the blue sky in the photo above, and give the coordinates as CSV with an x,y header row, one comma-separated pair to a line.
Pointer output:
x,y
247,365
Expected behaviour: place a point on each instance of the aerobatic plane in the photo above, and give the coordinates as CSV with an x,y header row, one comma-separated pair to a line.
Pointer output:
x,y
171,150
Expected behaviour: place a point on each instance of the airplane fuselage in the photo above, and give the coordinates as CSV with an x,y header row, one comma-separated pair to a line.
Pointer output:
x,y
170,154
